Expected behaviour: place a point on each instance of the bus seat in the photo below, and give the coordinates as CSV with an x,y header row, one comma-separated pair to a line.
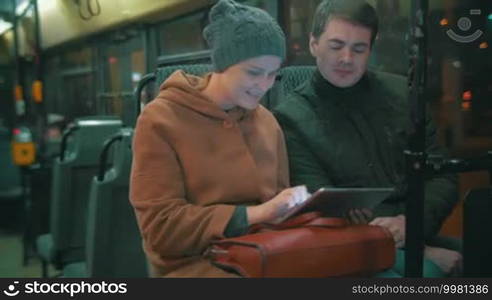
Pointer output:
x,y
72,174
113,241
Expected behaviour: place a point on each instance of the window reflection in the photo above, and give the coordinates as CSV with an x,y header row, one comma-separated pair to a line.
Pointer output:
x,y
172,41
69,83
78,96
298,26
390,49
459,75
113,79
138,66
80,58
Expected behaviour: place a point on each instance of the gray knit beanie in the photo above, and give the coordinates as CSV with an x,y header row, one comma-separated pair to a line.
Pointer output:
x,y
237,32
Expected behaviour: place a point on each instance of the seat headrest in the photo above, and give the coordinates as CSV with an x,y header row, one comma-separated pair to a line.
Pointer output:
x,y
287,80
292,76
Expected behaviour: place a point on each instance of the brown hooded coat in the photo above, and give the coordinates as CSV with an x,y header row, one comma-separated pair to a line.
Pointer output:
x,y
193,163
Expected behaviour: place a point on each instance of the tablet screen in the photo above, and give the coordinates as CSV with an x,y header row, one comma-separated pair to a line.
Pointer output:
x,y
336,202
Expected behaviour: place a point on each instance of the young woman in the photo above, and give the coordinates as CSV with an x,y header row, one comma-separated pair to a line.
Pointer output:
x,y
208,159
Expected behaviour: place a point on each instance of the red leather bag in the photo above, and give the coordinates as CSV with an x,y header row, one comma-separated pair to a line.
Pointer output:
x,y
306,246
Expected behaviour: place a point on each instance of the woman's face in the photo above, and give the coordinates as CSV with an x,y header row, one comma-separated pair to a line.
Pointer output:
x,y
245,83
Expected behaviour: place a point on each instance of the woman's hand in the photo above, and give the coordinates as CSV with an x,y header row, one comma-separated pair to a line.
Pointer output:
x,y
278,206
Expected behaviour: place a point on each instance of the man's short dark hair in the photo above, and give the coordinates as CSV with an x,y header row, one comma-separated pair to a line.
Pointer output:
x,y
358,12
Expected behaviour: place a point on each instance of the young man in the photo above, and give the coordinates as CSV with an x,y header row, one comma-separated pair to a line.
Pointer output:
x,y
344,127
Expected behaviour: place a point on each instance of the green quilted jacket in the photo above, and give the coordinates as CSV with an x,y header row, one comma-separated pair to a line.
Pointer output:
x,y
355,137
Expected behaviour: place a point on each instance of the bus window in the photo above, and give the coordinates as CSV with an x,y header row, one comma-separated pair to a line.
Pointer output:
x,y
389,54
69,82
176,47
390,47
172,41
297,27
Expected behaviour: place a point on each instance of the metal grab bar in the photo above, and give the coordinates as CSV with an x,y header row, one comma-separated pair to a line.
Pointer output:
x,y
141,84
104,155
64,140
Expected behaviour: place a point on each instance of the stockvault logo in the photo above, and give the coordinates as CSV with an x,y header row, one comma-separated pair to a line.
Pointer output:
x,y
11,290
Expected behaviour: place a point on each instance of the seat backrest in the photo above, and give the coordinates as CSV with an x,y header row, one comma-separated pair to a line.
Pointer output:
x,y
164,72
113,241
287,79
71,178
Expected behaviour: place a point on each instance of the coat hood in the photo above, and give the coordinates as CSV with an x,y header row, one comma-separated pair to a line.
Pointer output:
x,y
186,90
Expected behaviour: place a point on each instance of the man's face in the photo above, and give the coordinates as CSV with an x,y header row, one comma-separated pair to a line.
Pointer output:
x,y
342,52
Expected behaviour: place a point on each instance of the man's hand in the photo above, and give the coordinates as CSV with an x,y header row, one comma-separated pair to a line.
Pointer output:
x,y
449,261
359,216
396,225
